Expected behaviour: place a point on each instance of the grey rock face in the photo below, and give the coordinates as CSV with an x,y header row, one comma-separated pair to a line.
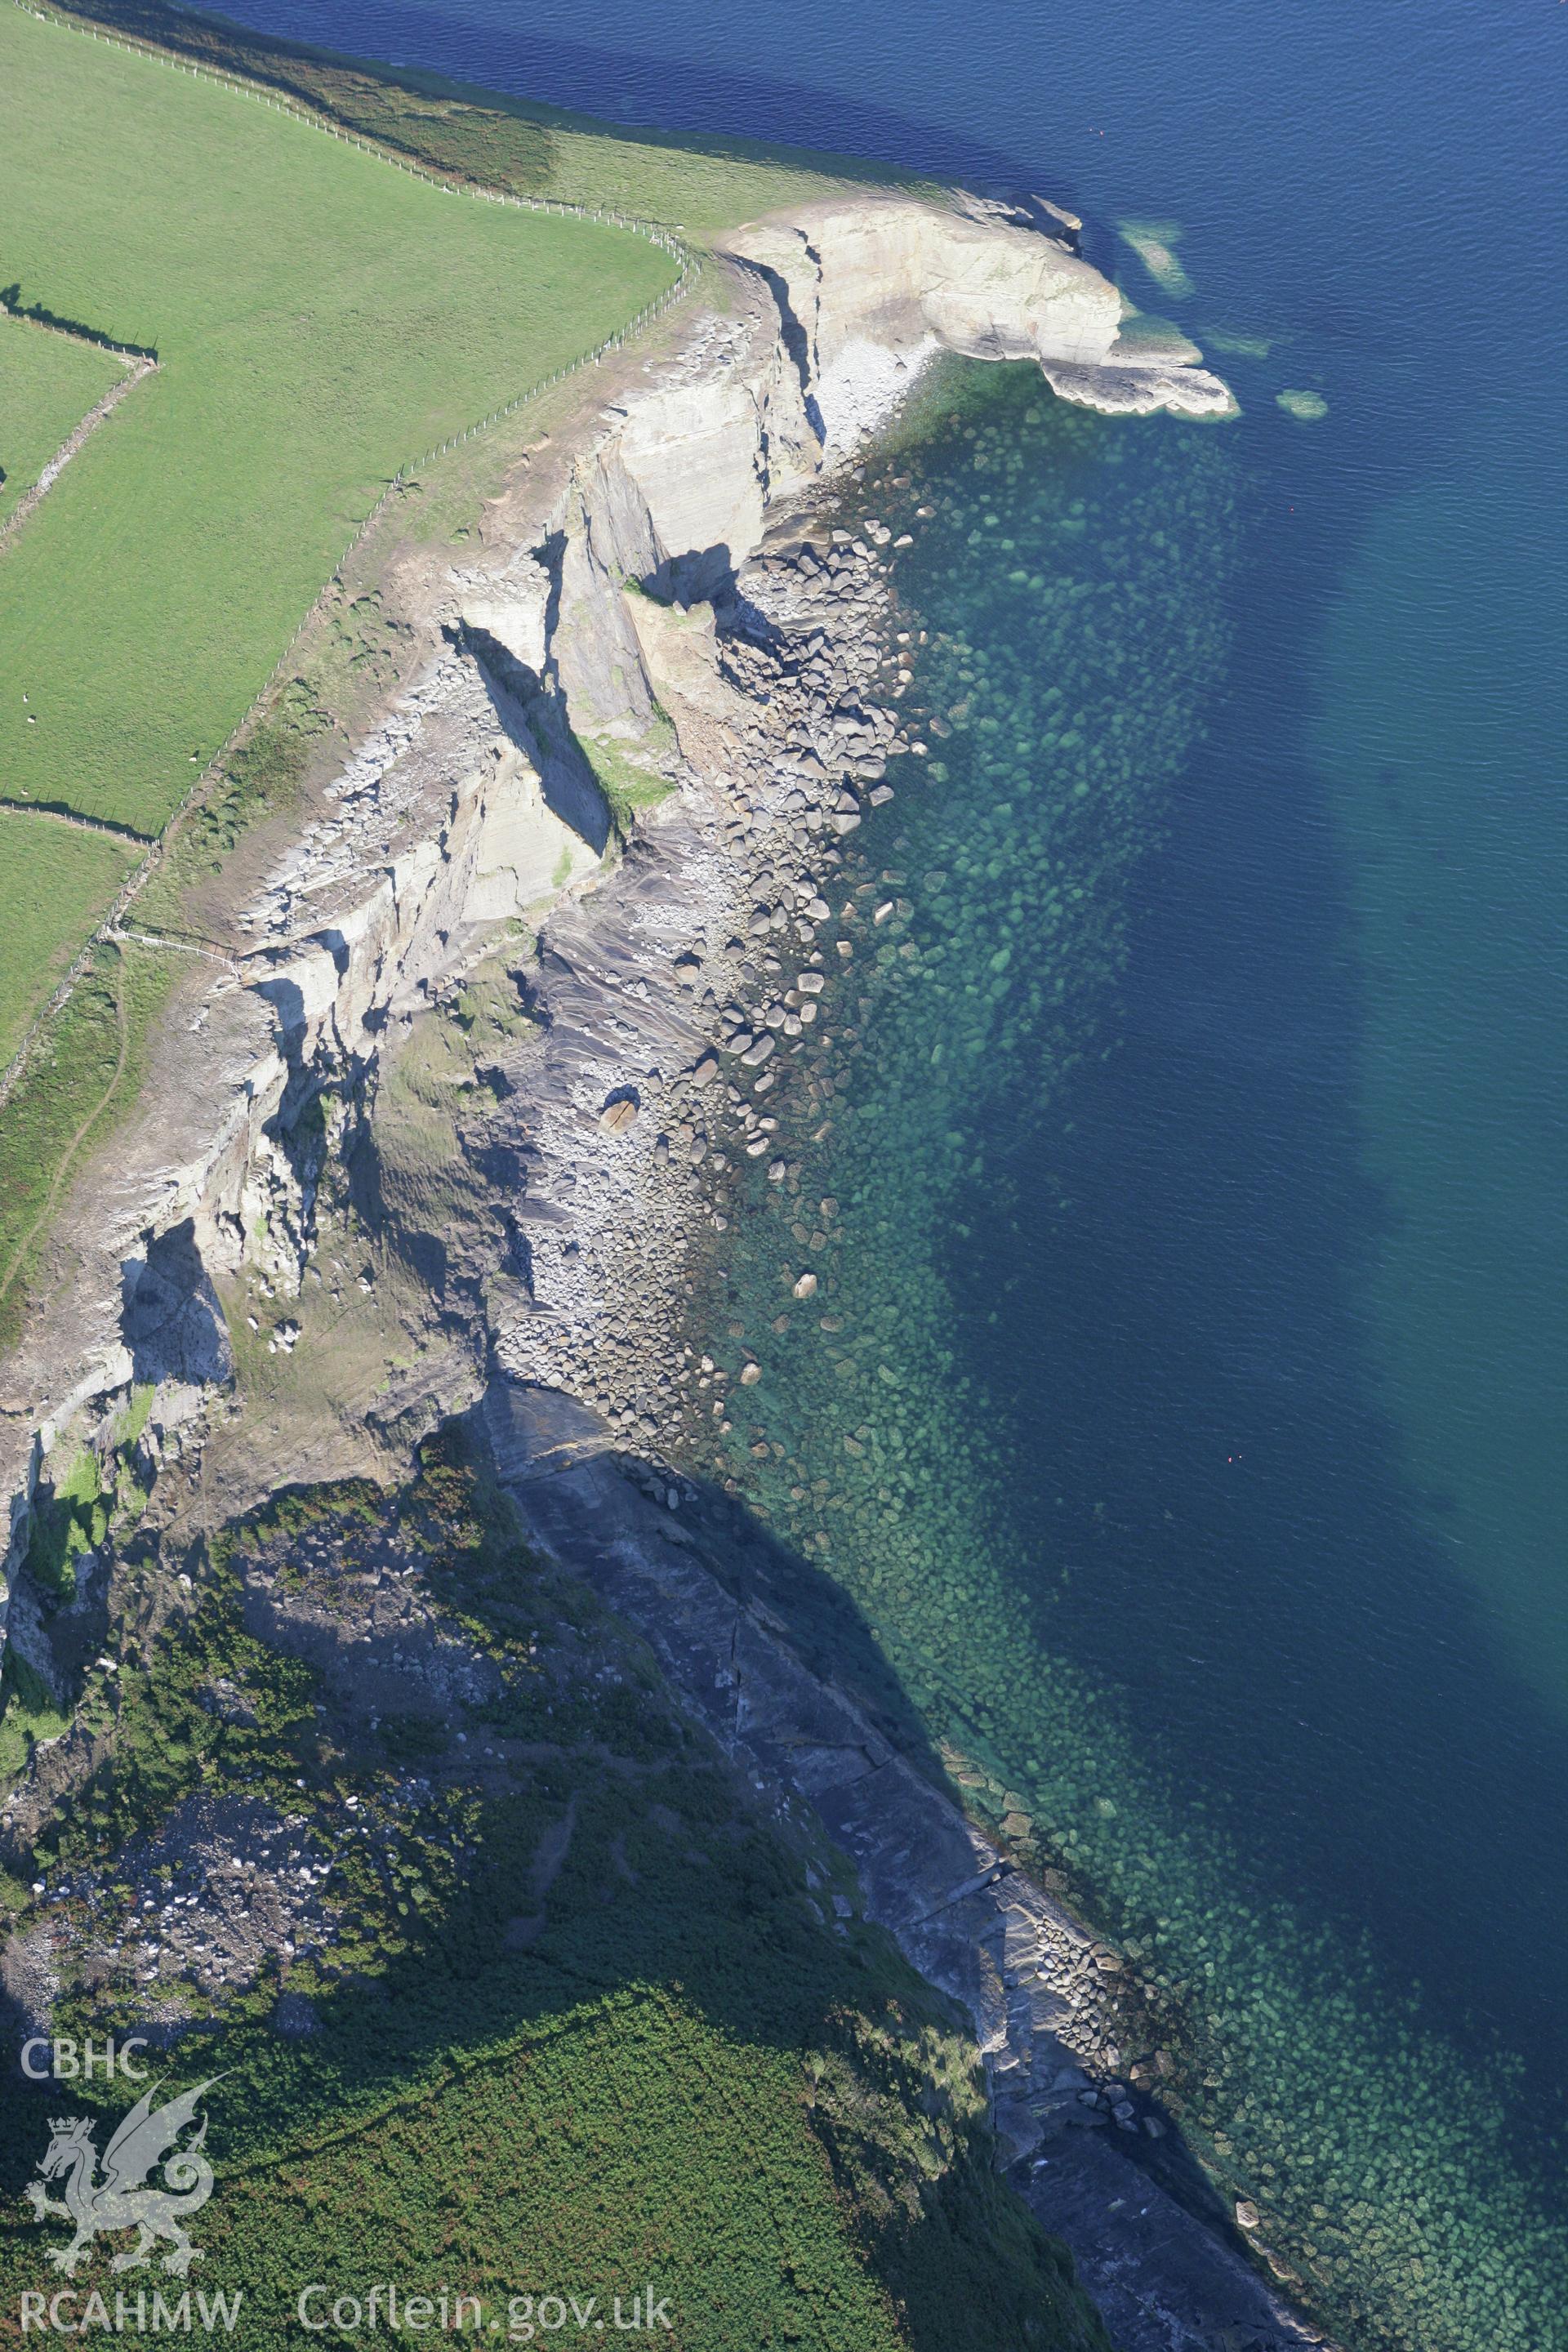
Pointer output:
x,y
1019,1965
679,988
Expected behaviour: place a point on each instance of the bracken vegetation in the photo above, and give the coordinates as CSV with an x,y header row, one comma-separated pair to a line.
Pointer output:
x,y
571,2018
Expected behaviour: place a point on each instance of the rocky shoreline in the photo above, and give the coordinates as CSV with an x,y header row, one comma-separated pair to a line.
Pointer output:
x,y
685,611
1090,2156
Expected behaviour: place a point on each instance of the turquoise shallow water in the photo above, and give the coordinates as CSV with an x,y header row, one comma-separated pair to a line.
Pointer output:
x,y
1221,1297
1091,1414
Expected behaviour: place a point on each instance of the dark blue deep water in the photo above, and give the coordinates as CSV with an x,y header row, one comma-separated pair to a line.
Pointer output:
x,y
1260,1292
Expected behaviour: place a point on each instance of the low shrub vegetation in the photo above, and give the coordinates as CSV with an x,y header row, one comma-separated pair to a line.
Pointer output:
x,y
581,2025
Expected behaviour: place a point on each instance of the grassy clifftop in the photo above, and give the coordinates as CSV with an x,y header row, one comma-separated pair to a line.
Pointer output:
x,y
319,318
499,142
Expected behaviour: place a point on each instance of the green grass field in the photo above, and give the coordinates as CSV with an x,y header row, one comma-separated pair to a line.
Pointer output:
x,y
47,383
148,595
500,141
63,875
321,318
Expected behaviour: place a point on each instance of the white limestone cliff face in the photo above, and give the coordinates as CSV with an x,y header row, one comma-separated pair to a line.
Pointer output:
x,y
483,848
865,286
442,833
835,312
471,804
677,492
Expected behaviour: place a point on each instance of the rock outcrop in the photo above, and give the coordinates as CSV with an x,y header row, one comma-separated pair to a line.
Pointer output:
x,y
474,803
672,604
1023,1971
866,290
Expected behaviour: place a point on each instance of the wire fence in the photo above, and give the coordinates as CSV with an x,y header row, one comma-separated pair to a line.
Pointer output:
x,y
141,874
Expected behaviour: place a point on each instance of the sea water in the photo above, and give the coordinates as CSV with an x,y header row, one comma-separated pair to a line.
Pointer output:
x,y
1199,1213
1081,1415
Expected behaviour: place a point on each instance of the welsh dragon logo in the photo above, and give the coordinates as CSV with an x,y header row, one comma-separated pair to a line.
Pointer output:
x,y
120,2199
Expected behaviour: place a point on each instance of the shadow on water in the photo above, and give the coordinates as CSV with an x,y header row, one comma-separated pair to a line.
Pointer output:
x,y
823,1627
576,85
1135,1367
1225,1532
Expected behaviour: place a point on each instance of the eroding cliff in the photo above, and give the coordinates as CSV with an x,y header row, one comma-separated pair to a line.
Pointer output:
x,y
612,636
445,1112
478,801
866,291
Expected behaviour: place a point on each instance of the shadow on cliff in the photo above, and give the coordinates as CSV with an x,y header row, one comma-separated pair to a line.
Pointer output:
x,y
170,1316
531,711
733,1615
614,1889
